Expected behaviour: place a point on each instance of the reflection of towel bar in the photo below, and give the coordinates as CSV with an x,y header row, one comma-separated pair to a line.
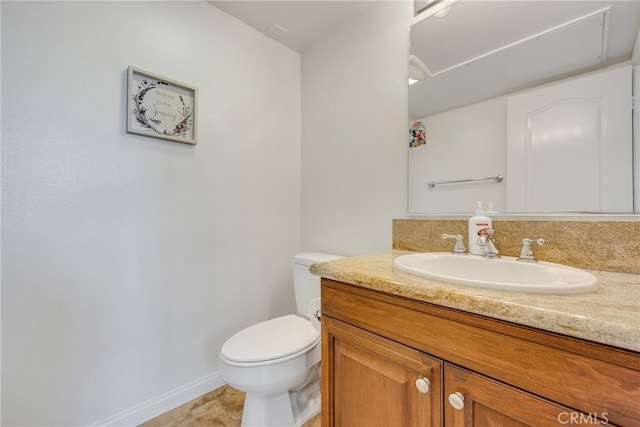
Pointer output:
x,y
497,178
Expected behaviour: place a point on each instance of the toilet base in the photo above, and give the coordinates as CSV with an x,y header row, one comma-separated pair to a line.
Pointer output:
x,y
291,408
276,411
267,411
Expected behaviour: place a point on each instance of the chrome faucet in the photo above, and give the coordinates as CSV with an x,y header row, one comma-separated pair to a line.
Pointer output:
x,y
526,254
459,248
486,241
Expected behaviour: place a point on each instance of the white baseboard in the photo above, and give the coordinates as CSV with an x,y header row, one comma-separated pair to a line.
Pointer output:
x,y
152,408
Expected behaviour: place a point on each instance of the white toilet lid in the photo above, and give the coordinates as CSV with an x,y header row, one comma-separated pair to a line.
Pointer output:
x,y
271,339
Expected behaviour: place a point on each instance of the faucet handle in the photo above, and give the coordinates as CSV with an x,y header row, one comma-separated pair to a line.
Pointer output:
x,y
526,254
459,248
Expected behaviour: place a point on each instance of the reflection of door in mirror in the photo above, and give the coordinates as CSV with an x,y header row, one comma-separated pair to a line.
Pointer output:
x,y
569,146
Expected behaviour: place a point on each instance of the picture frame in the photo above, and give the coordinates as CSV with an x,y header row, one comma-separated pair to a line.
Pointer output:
x,y
160,107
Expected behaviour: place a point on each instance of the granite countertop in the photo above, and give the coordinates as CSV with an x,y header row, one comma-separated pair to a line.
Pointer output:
x,y
609,316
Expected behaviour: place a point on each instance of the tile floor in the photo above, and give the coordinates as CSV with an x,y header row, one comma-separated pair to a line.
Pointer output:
x,y
219,408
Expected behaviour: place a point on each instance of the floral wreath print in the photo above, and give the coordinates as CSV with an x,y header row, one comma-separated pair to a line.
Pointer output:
x,y
417,135
141,114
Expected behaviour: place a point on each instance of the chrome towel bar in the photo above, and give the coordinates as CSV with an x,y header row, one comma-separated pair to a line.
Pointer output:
x,y
497,178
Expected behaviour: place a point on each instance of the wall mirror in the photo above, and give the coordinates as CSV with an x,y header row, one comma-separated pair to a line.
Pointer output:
x,y
524,104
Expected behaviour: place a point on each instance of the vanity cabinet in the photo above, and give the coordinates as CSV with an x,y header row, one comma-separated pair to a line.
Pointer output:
x,y
374,380
393,361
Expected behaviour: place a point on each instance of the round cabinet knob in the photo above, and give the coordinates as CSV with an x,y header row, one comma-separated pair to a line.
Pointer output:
x,y
456,400
423,385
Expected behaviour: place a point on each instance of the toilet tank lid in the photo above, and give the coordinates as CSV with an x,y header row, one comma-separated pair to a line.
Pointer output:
x,y
309,258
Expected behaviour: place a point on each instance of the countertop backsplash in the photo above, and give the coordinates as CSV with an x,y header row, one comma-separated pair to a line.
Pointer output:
x,y
594,245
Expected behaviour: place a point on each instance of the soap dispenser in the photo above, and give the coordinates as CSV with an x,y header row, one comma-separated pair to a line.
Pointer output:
x,y
479,225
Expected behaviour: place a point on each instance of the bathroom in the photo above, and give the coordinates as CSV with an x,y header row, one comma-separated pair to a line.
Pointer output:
x,y
128,261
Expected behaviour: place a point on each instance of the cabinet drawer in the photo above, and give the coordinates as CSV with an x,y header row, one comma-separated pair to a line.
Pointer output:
x,y
586,376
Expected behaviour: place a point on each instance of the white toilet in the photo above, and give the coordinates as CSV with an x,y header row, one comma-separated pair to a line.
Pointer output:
x,y
277,362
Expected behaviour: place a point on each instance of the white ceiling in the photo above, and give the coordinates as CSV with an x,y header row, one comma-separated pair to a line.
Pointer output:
x,y
494,48
305,20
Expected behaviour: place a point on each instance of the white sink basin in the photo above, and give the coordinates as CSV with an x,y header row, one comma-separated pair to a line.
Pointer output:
x,y
504,273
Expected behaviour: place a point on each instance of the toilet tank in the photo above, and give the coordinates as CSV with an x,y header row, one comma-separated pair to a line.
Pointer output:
x,y
306,285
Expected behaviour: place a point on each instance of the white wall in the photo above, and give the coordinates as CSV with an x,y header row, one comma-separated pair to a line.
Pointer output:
x,y
636,135
468,142
355,134
126,260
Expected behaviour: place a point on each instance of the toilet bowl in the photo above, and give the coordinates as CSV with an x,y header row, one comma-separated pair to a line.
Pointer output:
x,y
277,362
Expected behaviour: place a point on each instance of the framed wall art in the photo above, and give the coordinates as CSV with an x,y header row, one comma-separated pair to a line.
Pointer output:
x,y
160,107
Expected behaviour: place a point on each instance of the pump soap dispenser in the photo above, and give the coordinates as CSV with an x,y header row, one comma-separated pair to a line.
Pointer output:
x,y
479,225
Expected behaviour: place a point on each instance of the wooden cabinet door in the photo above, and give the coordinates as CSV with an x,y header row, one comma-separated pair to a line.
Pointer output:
x,y
488,403
370,381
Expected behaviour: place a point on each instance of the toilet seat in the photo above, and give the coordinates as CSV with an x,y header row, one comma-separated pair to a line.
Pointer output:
x,y
277,339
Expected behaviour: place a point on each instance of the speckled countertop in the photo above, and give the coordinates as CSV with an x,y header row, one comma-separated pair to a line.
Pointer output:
x,y
610,315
